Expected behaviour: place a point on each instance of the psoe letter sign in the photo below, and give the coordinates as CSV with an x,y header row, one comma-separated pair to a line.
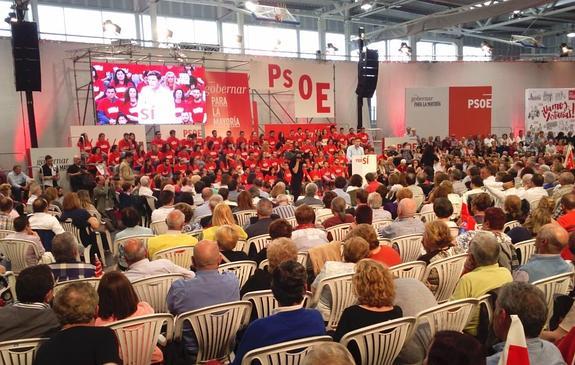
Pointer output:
x,y
479,104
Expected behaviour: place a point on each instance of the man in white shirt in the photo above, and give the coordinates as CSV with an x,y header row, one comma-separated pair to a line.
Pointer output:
x,y
535,192
18,181
354,150
139,267
508,185
204,209
476,188
167,205
40,219
156,102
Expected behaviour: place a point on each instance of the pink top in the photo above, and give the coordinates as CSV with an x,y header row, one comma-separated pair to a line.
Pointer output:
x,y
142,310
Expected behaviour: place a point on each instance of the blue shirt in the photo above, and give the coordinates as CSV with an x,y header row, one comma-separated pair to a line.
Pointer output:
x,y
542,266
208,288
283,326
541,352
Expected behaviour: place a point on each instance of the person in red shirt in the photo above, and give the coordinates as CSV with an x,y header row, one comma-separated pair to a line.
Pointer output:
x,y
363,137
125,144
113,156
102,143
153,154
164,169
95,156
166,153
173,141
97,85
241,139
198,107
182,106
108,108
254,139
181,167
130,106
228,139
121,82
372,183
567,221
158,141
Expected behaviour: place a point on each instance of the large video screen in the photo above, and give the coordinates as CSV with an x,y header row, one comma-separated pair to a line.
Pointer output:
x,y
149,94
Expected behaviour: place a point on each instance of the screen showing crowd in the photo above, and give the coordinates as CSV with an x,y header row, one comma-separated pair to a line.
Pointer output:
x,y
149,94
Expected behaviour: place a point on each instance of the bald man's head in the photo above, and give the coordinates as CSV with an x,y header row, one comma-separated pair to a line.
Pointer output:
x,y
406,208
207,193
134,251
551,239
568,202
206,255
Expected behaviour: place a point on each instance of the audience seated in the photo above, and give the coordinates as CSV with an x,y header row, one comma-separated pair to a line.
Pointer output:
x,y
166,205
277,229
567,220
406,222
363,215
487,274
261,223
25,232
140,267
373,285
40,219
340,183
375,202
529,304
443,209
6,218
332,353
222,216
355,184
310,196
547,260
174,237
79,341
381,253
283,209
205,221
354,250
290,321
208,287
455,348
338,207
245,202
227,239
306,234
188,211
81,219
67,267
118,300
131,220
31,316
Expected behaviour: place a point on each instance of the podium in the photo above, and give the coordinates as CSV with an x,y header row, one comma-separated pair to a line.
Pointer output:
x,y
363,164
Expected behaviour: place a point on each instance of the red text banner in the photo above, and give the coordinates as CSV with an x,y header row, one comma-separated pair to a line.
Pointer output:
x,y
311,83
228,103
470,110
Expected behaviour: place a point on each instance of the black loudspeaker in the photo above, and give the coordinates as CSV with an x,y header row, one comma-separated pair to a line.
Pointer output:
x,y
26,56
367,70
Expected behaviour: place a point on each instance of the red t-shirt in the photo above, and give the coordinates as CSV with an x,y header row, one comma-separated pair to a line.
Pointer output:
x,y
110,108
174,142
104,146
131,112
198,110
158,142
124,145
387,256
567,221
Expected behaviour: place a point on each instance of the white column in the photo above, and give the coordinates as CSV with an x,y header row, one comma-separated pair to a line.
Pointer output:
x,y
240,21
153,10
321,36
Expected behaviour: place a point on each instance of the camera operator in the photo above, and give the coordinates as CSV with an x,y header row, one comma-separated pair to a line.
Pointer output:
x,y
296,167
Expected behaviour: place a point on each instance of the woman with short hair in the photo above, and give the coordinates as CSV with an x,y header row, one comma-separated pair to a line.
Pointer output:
x,y
81,219
118,300
339,215
227,237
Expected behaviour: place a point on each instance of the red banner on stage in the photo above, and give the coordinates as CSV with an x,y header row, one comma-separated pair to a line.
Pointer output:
x,y
228,103
286,128
470,110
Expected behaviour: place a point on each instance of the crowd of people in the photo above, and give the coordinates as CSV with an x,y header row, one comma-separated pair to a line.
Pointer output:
x,y
458,194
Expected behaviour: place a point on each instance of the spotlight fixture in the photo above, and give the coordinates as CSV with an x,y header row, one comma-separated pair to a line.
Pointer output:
x,y
486,48
250,5
110,28
570,34
565,50
405,49
11,18
366,6
332,47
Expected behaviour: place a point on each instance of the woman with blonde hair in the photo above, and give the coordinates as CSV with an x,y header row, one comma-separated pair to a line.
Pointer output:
x,y
227,237
278,189
540,216
222,215
375,291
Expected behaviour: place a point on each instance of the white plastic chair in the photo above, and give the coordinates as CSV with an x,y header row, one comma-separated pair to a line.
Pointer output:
x,y
419,199
340,287
427,217
220,322
68,226
240,246
381,343
159,227
242,269
450,316
11,280
339,231
15,251
5,232
19,352
412,269
179,255
320,218
380,223
259,242
448,272
154,290
552,287
243,217
290,352
510,225
292,221
409,246
265,303
138,336
92,281
526,250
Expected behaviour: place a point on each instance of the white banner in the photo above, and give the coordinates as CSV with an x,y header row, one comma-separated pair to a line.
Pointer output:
x,y
182,131
361,165
114,133
550,110
427,111
62,157
311,83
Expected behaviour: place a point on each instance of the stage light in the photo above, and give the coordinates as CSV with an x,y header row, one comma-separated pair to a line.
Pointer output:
x,y
366,6
570,34
486,48
405,49
250,5
332,47
565,50
11,18
110,28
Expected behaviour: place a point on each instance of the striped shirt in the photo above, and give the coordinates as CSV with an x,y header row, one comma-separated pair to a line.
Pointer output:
x,y
6,222
72,271
284,211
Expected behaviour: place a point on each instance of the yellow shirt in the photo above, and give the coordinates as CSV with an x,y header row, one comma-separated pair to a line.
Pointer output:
x,y
210,233
477,283
169,240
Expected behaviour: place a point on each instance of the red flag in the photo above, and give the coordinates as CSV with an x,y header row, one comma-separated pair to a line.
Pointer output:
x,y
515,351
569,163
98,272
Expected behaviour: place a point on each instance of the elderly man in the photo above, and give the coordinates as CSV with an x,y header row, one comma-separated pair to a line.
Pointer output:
x,y
42,220
340,183
166,202
204,209
528,303
67,266
283,209
310,196
566,180
567,220
24,232
208,287
18,181
31,316
261,224
144,189
79,342
487,275
547,262
206,220
406,222
140,267
174,237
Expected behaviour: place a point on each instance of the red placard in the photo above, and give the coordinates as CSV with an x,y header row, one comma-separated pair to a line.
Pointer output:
x,y
228,103
470,110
